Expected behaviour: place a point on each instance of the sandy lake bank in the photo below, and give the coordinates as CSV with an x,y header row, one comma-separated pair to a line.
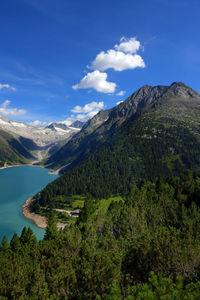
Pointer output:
x,y
39,221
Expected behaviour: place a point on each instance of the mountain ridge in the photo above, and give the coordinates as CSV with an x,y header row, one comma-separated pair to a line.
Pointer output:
x,y
39,141
100,127
67,146
160,139
13,150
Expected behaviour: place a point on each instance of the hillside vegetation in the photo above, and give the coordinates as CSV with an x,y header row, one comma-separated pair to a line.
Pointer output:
x,y
145,246
138,231
159,138
12,150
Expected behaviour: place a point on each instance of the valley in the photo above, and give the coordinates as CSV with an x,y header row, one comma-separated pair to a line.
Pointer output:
x,y
123,218
100,150
154,132
30,144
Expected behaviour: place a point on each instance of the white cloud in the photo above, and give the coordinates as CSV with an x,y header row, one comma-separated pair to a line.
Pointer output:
x,y
119,102
128,45
124,56
4,110
7,86
85,117
83,113
39,123
117,60
89,107
69,120
98,81
121,93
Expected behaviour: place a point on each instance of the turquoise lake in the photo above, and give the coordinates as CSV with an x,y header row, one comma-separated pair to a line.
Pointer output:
x,y
16,185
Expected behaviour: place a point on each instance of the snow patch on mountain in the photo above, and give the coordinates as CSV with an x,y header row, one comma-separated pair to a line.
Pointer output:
x,y
42,136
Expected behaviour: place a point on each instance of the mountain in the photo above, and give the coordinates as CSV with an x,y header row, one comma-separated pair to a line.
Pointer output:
x,y
77,124
57,126
82,144
74,127
42,136
41,141
13,150
103,125
155,132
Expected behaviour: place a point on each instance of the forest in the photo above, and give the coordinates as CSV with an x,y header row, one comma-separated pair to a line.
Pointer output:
x,y
143,148
144,246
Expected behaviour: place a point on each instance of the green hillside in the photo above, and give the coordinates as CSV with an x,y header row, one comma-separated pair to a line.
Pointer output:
x,y
12,150
160,139
137,235
145,246
177,102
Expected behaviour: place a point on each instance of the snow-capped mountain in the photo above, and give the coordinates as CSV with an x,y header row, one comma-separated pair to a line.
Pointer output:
x,y
63,128
41,136
41,141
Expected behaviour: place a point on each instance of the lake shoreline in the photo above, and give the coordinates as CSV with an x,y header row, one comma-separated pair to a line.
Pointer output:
x,y
26,182
10,166
51,172
21,165
37,219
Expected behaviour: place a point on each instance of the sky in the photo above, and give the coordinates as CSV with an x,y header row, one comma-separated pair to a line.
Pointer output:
x,y
64,60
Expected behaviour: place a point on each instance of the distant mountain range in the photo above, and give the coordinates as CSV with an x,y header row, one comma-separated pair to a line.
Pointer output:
x,y
30,142
12,150
63,128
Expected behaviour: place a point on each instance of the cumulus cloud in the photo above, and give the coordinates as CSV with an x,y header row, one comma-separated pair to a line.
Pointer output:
x,y
38,123
69,120
128,45
122,57
84,117
96,80
5,110
7,86
89,107
121,93
117,60
83,113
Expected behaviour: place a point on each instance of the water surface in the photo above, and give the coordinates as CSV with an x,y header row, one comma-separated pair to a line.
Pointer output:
x,y
16,185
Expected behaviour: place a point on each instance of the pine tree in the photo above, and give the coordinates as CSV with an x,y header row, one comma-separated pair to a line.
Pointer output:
x,y
51,230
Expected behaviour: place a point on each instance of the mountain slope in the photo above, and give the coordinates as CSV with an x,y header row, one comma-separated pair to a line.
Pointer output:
x,y
102,126
160,138
42,136
98,129
82,144
12,150
42,142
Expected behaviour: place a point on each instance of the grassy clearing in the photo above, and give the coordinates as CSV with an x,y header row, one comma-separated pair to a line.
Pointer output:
x,y
73,202
103,204
77,202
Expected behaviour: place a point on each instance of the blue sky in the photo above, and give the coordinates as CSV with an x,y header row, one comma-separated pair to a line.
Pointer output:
x,y
65,60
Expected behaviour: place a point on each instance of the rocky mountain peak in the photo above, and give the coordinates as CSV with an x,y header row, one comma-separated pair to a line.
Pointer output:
x,y
55,126
148,95
101,117
77,124
142,97
180,89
